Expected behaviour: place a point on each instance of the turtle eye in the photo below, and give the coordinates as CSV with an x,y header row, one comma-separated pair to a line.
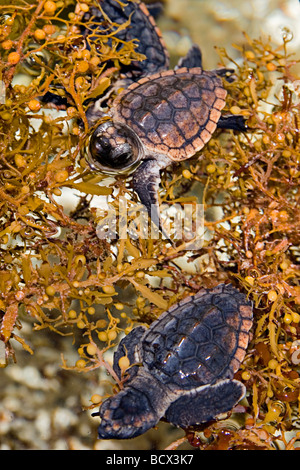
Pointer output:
x,y
113,148
36,60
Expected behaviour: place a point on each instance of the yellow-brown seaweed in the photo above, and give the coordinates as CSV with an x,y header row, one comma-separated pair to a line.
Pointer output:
x,y
55,269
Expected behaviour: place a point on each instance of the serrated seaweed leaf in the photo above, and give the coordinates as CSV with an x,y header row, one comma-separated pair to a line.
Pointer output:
x,y
153,297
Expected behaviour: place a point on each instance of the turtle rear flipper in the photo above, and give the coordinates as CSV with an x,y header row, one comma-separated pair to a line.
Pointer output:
x,y
205,404
192,59
231,121
155,9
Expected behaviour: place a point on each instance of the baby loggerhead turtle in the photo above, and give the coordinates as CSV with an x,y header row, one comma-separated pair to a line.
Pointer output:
x,y
165,116
182,367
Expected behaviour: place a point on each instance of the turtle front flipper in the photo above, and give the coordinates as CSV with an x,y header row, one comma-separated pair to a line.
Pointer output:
x,y
145,181
205,403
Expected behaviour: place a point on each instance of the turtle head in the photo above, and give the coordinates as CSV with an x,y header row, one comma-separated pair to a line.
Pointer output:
x,y
126,415
114,148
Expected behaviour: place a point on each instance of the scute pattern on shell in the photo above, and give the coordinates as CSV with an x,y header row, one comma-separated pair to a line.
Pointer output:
x,y
183,366
173,112
141,26
201,340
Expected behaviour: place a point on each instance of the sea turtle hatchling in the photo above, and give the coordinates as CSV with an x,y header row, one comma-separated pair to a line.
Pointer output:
x,y
182,366
165,116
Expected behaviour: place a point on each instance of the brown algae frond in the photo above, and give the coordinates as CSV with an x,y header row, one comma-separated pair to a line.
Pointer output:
x,y
57,270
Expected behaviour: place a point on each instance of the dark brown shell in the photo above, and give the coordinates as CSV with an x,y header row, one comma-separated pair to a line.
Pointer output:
x,y
201,340
183,366
140,25
173,112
